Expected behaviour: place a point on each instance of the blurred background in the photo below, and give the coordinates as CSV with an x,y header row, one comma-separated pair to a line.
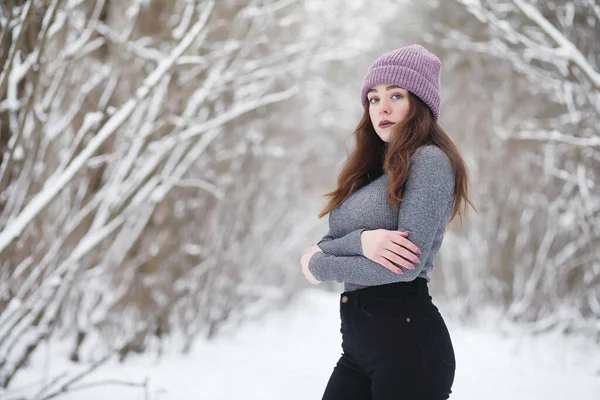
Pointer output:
x,y
161,162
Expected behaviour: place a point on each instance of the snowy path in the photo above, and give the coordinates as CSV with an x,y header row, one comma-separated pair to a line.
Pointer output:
x,y
290,354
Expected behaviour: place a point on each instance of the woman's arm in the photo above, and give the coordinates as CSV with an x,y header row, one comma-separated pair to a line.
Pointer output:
x,y
348,245
426,206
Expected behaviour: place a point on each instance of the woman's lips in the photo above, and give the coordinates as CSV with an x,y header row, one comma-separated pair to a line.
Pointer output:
x,y
386,124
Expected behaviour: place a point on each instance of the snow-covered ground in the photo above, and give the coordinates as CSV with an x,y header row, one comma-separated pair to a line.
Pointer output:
x,y
290,353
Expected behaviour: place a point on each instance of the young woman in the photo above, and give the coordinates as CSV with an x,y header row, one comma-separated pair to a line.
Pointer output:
x,y
399,188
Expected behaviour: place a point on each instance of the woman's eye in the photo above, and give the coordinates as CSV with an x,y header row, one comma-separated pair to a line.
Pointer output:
x,y
373,100
397,96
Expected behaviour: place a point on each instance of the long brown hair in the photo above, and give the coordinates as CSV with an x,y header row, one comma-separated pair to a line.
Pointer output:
x,y
372,155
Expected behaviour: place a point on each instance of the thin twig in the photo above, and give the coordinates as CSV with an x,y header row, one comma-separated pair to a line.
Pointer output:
x,y
83,386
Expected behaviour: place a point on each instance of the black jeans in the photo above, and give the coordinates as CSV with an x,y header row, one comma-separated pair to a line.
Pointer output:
x,y
395,346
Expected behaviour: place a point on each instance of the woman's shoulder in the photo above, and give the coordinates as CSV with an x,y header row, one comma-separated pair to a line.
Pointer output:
x,y
431,155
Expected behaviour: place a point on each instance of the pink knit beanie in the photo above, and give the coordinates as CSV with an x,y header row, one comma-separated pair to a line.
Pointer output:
x,y
413,68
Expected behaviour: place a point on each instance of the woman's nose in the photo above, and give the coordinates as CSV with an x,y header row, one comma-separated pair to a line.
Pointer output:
x,y
384,109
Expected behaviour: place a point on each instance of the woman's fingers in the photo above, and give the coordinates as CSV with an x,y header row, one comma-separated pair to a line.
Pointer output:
x,y
398,260
401,240
401,251
394,251
388,264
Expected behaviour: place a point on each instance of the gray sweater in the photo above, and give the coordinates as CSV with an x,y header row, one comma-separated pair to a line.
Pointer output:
x,y
425,210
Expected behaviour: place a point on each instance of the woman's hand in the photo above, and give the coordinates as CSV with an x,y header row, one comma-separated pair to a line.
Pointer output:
x,y
304,262
383,246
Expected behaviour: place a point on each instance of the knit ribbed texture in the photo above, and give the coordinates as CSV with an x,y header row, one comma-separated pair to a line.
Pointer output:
x,y
413,68
424,211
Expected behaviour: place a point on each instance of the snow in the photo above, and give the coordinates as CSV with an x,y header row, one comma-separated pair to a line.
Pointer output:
x,y
289,354
566,49
59,181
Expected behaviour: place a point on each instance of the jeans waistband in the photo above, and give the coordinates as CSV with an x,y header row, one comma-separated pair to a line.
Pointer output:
x,y
418,287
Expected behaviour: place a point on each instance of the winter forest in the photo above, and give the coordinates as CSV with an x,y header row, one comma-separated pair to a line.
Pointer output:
x,y
162,164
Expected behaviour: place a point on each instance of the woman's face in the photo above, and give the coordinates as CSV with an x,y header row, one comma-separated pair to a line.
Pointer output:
x,y
388,105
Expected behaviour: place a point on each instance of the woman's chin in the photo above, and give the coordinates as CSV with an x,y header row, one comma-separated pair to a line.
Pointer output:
x,y
385,136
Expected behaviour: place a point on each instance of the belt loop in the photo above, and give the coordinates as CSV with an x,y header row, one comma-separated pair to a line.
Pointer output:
x,y
422,286
357,301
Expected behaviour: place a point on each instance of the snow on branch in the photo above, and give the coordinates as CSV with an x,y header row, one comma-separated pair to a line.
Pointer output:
x,y
566,49
42,199
552,136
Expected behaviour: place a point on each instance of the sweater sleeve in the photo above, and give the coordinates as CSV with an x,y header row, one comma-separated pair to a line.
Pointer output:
x,y
427,196
348,245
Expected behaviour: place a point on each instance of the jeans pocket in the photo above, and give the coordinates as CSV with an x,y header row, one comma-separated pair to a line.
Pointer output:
x,y
439,337
383,307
